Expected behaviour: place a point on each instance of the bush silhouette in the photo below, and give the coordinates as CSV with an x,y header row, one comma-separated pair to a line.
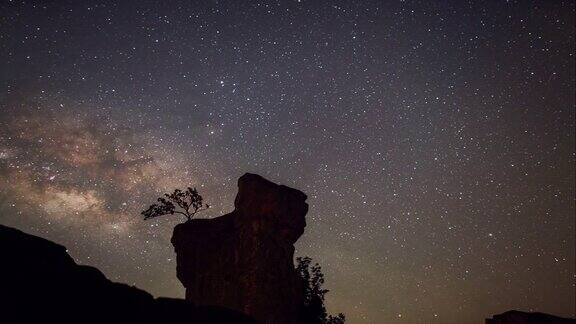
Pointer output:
x,y
313,310
187,203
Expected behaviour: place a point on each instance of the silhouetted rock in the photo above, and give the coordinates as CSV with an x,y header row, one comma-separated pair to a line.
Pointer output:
x,y
41,283
517,317
244,260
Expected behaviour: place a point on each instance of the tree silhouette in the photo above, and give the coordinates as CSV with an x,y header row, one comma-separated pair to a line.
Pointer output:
x,y
314,311
187,203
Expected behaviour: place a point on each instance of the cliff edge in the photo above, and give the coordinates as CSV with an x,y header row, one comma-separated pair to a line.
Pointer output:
x,y
41,283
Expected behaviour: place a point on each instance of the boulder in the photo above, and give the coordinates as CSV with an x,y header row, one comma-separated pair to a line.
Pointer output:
x,y
244,260
517,317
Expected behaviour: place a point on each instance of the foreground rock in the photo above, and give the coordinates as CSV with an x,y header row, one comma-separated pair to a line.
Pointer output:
x,y
244,260
516,317
41,283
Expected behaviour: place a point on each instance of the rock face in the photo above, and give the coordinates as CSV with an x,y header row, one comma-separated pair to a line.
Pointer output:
x,y
516,317
244,260
41,283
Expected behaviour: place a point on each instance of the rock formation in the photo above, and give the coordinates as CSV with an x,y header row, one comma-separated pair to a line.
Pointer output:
x,y
41,283
244,260
517,317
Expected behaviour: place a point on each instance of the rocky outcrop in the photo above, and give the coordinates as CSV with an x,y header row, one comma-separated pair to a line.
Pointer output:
x,y
244,260
41,283
517,317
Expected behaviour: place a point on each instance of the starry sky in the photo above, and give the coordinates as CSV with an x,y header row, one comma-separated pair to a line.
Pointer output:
x,y
435,140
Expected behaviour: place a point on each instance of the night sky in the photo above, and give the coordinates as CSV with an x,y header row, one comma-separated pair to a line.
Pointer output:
x,y
435,140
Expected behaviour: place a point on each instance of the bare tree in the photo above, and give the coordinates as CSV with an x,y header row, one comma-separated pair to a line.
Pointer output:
x,y
187,202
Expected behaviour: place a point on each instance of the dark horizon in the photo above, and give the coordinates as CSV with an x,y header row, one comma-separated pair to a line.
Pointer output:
x,y
435,141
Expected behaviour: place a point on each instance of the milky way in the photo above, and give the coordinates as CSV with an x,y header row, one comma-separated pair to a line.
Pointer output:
x,y
435,141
